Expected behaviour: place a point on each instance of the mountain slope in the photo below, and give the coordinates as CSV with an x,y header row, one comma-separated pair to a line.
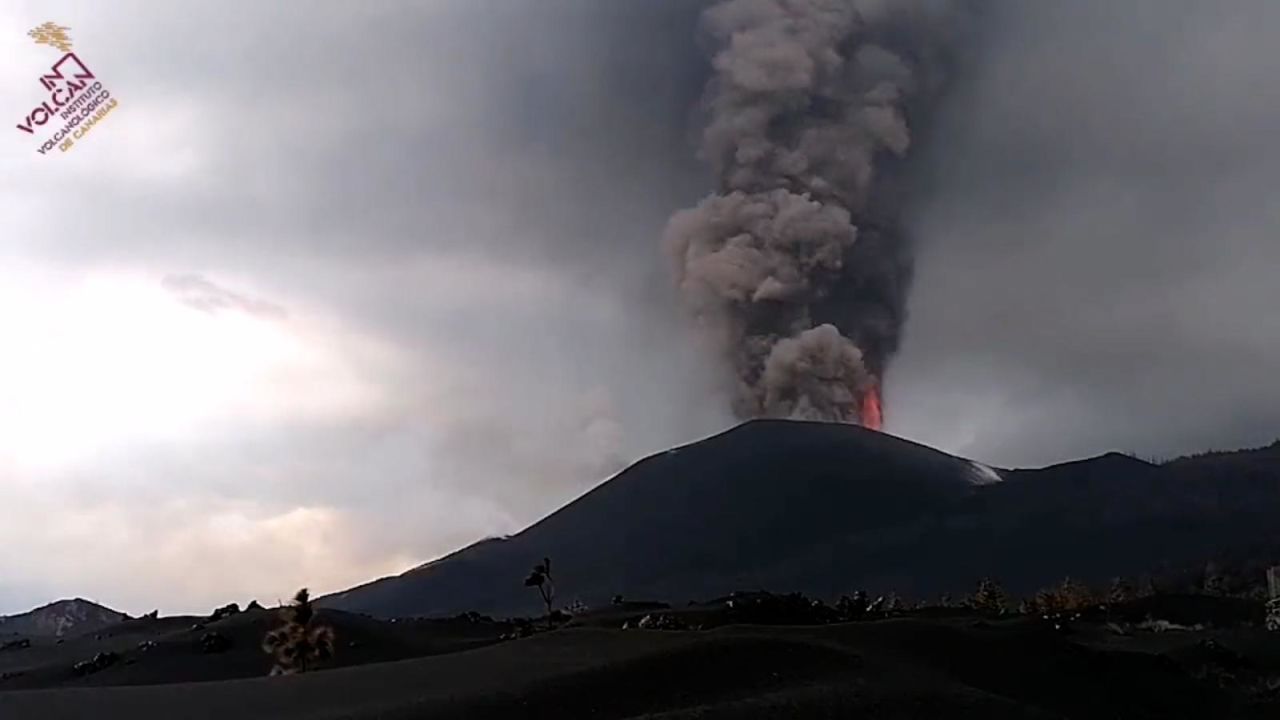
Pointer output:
x,y
62,618
700,519
826,509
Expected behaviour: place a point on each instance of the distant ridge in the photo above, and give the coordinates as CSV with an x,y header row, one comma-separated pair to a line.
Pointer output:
x,y
62,618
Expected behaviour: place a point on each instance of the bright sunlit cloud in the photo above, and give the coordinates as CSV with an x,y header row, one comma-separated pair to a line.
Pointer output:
x,y
97,362
456,356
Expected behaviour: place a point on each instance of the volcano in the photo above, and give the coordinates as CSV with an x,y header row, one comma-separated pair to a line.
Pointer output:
x,y
826,509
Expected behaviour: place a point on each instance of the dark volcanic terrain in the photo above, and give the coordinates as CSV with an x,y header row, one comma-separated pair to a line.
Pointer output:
x,y
173,649
925,664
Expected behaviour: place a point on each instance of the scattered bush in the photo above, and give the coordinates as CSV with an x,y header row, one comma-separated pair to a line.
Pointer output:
x,y
658,621
19,644
990,597
768,609
1120,592
473,617
214,642
1074,595
1214,582
1273,614
852,608
100,662
523,628
1070,597
540,578
300,644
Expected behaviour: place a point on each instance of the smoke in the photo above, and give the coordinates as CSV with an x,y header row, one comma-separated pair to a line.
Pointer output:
x,y
796,269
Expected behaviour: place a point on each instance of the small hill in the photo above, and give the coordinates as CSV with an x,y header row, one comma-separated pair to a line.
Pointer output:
x,y
151,651
62,618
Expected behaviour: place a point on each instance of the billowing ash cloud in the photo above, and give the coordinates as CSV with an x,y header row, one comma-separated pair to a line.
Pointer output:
x,y
797,268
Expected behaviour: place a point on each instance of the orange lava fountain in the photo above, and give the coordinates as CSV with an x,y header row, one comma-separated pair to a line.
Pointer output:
x,y
872,409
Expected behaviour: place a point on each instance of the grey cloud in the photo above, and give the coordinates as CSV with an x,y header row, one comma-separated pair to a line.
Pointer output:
x,y
1096,225
199,292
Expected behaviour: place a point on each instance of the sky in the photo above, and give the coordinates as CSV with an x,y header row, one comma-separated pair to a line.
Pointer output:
x,y
340,287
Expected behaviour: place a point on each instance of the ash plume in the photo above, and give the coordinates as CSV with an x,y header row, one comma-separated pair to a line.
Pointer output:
x,y
796,269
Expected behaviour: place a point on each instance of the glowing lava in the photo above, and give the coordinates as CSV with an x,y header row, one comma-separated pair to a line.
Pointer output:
x,y
872,409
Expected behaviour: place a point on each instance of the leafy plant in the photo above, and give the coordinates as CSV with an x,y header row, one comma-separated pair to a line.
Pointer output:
x,y
989,597
1068,596
763,608
1074,595
1214,583
540,578
1120,592
300,644
1273,614
852,608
